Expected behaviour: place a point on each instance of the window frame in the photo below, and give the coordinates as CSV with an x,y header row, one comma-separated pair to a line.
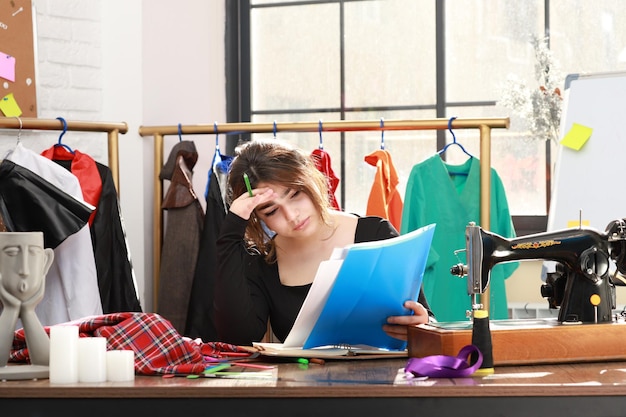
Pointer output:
x,y
239,85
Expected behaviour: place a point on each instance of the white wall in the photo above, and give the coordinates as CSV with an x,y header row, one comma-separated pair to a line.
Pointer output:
x,y
163,64
183,82
151,62
122,73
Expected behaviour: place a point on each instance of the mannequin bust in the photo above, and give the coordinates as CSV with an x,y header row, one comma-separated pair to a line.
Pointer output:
x,y
24,263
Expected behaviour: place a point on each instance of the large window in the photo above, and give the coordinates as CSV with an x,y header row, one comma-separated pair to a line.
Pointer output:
x,y
411,59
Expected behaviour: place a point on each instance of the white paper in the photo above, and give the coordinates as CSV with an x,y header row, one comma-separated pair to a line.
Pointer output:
x,y
313,304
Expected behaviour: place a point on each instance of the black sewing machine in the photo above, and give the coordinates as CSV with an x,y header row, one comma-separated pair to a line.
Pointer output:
x,y
582,285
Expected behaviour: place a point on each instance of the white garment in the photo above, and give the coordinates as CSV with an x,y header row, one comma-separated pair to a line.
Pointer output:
x,y
71,283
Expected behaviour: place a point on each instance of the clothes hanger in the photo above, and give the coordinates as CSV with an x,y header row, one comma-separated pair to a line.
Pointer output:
x,y
180,133
454,142
19,138
382,133
19,132
60,143
217,155
320,129
275,129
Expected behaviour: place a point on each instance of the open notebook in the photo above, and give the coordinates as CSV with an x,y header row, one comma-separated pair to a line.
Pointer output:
x,y
352,295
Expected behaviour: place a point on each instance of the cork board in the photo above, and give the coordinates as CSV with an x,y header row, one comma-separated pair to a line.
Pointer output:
x,y
18,95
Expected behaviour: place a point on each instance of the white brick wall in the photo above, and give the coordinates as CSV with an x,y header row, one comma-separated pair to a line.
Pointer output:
x,y
69,61
69,65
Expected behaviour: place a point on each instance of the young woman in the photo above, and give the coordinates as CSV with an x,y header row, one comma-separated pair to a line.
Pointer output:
x,y
274,238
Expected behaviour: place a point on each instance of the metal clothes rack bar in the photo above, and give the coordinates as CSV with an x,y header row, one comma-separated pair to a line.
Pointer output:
x,y
111,128
484,125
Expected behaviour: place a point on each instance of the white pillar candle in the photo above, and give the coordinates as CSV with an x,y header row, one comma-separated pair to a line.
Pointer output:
x,y
120,365
92,366
63,354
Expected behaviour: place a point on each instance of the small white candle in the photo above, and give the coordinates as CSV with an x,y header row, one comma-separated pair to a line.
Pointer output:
x,y
63,354
92,366
120,365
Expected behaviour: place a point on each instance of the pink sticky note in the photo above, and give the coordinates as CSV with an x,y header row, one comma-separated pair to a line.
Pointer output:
x,y
7,66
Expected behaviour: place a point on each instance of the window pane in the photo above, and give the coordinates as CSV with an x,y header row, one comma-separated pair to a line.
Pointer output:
x,y
390,53
485,42
295,57
589,36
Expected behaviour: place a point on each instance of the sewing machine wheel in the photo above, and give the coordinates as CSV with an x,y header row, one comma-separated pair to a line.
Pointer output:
x,y
616,230
554,288
594,264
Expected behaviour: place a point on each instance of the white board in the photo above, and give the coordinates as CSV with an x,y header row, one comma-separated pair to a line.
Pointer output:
x,y
589,184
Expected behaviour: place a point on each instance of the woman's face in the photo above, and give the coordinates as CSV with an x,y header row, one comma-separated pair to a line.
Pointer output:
x,y
291,214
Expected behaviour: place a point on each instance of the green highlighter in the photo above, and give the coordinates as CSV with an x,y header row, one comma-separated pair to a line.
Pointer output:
x,y
247,181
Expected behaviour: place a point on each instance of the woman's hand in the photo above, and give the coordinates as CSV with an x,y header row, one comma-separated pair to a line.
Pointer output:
x,y
244,205
397,325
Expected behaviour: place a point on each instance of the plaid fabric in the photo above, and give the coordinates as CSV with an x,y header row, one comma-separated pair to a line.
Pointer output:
x,y
158,347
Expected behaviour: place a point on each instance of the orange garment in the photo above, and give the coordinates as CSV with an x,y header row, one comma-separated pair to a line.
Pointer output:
x,y
384,199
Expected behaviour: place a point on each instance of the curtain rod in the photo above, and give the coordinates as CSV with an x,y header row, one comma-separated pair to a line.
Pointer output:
x,y
112,129
330,126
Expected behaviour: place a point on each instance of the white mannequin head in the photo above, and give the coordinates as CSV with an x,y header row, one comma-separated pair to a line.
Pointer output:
x,y
24,263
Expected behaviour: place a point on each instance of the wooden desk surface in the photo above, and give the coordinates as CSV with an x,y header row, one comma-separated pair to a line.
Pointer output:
x,y
365,386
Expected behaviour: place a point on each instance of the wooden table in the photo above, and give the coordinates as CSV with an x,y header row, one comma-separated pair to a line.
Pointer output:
x,y
338,388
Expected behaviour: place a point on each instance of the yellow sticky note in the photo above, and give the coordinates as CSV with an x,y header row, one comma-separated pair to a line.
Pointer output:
x,y
9,106
577,136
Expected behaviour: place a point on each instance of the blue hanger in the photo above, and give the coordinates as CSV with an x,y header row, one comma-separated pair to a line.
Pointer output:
x,y
61,135
275,129
382,133
217,156
180,133
454,142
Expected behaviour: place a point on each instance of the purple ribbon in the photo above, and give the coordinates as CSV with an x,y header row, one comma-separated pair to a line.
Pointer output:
x,y
444,366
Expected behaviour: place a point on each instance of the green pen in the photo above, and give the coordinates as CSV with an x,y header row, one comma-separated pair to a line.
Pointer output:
x,y
247,181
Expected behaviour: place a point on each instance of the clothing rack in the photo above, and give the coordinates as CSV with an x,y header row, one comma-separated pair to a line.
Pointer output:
x,y
484,125
112,129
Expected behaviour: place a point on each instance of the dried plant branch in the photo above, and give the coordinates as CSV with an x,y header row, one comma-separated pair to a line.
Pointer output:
x,y
539,104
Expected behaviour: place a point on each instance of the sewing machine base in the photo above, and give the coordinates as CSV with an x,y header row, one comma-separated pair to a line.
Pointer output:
x,y
526,341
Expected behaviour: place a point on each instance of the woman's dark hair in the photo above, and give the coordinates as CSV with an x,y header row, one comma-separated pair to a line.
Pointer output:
x,y
274,162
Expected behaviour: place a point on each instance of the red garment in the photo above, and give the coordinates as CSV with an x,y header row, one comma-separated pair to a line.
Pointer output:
x,y
84,168
158,347
384,199
322,162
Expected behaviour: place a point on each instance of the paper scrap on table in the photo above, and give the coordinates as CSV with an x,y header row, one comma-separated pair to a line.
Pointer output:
x,y
9,106
7,66
577,136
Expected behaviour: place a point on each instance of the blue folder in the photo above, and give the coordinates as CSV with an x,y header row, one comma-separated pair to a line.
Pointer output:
x,y
374,281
